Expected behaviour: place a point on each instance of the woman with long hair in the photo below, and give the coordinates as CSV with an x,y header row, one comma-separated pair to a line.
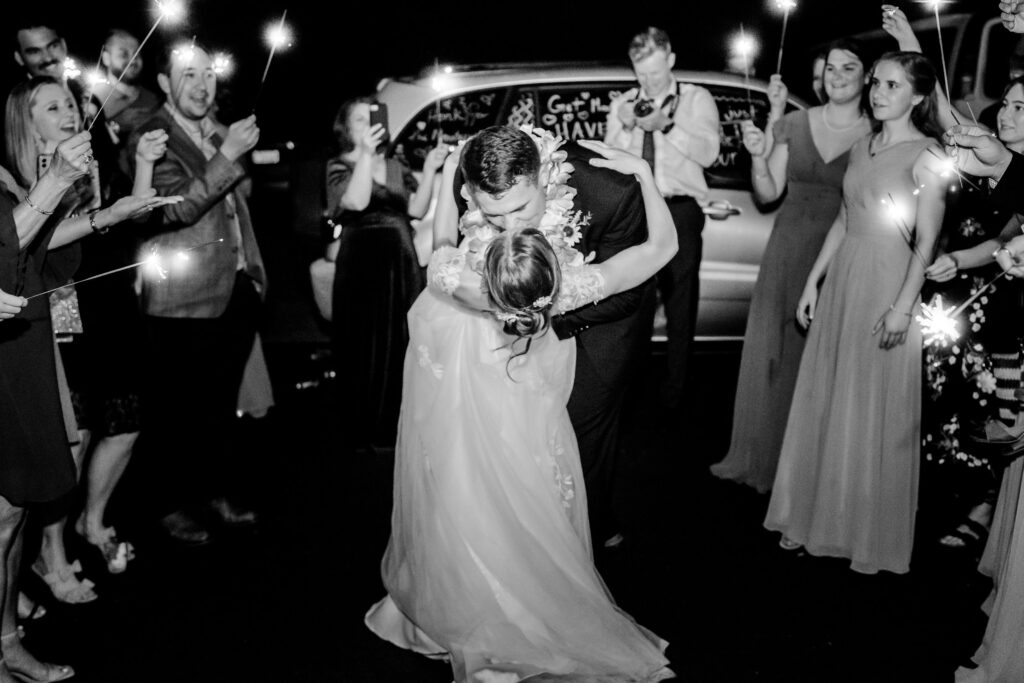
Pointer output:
x,y
41,114
806,163
847,478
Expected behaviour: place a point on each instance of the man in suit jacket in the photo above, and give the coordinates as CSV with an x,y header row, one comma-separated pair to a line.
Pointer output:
x,y
502,172
200,318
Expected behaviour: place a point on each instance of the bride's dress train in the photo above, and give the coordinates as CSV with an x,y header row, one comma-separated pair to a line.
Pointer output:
x,y
490,563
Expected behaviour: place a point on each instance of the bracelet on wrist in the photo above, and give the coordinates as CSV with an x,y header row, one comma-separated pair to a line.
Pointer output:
x,y
36,208
955,260
892,307
92,223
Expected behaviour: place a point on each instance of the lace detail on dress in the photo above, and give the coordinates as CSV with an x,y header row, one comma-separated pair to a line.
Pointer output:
x,y
445,268
581,285
436,368
563,482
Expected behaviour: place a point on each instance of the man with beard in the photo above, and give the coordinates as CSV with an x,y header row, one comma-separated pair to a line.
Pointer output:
x,y
127,102
201,319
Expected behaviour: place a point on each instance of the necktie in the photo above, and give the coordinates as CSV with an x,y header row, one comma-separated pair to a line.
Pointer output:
x,y
648,150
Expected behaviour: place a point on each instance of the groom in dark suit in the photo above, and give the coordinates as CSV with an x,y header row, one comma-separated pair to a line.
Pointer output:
x,y
501,170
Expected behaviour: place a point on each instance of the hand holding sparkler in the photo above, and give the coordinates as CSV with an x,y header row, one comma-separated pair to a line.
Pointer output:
x,y
1012,15
977,152
242,136
778,95
72,158
754,139
152,146
11,305
896,24
1010,257
942,269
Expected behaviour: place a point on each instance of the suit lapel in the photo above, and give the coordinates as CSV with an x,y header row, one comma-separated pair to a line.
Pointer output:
x,y
183,145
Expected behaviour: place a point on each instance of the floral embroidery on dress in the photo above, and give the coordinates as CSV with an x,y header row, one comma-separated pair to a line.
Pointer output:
x,y
564,483
445,268
425,362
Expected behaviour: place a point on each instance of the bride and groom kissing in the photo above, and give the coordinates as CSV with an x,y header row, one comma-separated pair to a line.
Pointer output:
x,y
520,349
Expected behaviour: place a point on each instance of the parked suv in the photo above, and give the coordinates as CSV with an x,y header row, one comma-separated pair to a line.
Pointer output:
x,y
571,100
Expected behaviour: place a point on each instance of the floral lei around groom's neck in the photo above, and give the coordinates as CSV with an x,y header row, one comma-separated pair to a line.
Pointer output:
x,y
562,227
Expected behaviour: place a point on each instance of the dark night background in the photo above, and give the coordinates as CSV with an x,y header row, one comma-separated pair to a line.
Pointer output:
x,y
343,49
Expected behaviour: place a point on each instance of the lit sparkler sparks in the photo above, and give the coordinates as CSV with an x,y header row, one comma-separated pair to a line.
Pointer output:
x,y
71,70
898,215
171,10
745,47
155,265
278,37
223,64
938,323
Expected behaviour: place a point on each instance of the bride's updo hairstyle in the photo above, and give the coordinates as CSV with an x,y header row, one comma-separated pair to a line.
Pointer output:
x,y
522,277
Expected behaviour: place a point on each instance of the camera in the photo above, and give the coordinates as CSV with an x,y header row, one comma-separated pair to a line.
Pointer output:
x,y
642,108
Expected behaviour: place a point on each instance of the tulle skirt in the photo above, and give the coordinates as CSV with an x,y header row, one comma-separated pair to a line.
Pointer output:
x,y
489,563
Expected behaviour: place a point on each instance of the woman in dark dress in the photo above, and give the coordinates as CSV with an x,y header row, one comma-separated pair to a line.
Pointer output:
x,y
377,276
36,466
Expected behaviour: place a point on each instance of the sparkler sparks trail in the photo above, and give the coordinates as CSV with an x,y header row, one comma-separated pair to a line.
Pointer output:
x,y
897,215
935,5
222,64
171,10
153,263
786,6
278,37
939,324
745,47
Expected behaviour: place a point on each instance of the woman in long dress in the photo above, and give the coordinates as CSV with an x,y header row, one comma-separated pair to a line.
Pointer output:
x,y
846,484
490,562
807,161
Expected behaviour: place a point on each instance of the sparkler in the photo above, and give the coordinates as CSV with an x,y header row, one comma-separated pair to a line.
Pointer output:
x,y
166,9
222,64
935,5
745,47
440,82
278,37
153,263
939,324
71,70
786,6
896,213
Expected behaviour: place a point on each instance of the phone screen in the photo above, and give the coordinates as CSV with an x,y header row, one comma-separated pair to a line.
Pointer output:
x,y
379,114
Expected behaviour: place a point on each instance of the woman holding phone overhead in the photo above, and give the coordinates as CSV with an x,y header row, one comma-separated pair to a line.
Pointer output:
x,y
378,275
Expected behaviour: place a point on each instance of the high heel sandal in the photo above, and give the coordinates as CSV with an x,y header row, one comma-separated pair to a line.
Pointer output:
x,y
29,609
65,586
53,672
115,553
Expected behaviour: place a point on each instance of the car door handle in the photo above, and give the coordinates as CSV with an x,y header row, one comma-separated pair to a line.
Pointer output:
x,y
721,209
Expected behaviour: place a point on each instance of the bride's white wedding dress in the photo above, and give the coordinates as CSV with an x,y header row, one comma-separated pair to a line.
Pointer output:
x,y
490,563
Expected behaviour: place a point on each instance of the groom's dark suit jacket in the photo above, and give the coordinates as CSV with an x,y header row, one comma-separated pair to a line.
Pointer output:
x,y
610,335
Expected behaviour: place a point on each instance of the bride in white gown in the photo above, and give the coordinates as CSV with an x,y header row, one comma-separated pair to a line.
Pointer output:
x,y
490,563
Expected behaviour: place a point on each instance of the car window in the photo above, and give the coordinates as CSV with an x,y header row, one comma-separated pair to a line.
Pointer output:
x,y
457,117
572,111
732,168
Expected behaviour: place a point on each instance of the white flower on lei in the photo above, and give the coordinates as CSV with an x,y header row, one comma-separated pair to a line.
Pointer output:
x,y
986,381
562,227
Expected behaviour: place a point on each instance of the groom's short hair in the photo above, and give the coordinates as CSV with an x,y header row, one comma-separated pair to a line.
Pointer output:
x,y
497,158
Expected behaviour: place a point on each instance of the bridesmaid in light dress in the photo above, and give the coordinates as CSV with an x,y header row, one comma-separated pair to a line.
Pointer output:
x,y
847,480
